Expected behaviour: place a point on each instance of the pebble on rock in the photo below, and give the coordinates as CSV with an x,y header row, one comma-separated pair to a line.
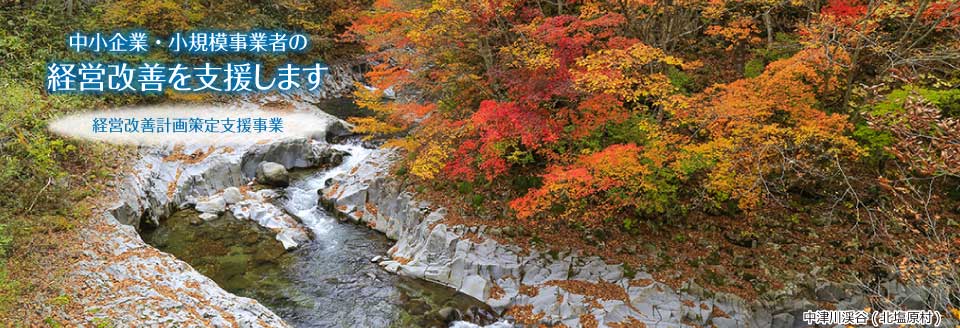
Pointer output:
x,y
207,217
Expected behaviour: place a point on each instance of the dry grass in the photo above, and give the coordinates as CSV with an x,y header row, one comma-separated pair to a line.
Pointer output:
x,y
48,244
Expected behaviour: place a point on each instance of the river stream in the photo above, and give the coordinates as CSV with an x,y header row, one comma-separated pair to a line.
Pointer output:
x,y
328,282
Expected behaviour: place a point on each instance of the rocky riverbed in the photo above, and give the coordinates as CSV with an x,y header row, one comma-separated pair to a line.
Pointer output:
x,y
123,281
576,290
235,253
232,253
328,281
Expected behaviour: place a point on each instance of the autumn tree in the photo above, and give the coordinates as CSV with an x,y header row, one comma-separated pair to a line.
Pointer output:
x,y
559,90
883,38
918,189
764,135
159,17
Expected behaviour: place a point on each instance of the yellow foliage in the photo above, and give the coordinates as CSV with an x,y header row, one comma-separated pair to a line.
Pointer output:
x,y
528,54
371,126
737,32
626,74
384,120
163,16
371,99
430,161
407,144
767,125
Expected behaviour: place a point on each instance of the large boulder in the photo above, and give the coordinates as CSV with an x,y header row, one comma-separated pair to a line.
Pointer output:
x,y
329,156
214,205
272,174
291,153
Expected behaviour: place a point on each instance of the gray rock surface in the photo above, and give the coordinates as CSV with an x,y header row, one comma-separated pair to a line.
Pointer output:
x,y
556,287
128,283
214,205
162,186
272,174
208,216
257,208
830,292
782,320
232,195
505,276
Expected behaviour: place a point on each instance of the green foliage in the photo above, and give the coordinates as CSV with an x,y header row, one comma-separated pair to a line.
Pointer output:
x,y
525,182
784,46
465,187
30,155
753,68
34,181
477,200
5,240
60,300
629,271
948,100
874,142
52,323
633,130
9,288
161,17
37,191
682,81
31,38
102,323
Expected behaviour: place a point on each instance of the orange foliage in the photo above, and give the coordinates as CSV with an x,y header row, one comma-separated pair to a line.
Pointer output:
x,y
768,124
618,178
742,31
582,98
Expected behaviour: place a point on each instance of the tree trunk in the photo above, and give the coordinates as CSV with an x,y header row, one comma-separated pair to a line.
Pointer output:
x,y
769,25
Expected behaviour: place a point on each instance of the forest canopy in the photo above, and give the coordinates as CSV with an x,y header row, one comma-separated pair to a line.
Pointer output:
x,y
819,130
790,122
617,110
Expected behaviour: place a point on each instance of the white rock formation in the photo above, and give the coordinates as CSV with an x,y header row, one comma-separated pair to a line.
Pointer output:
x,y
232,195
504,276
213,205
290,233
272,174
206,217
128,283
123,281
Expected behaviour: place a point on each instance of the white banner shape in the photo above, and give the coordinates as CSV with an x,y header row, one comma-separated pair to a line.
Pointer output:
x,y
192,124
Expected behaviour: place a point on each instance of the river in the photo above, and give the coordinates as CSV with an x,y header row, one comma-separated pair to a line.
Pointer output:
x,y
328,282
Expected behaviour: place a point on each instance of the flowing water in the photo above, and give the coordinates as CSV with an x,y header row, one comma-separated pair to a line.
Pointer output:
x,y
328,282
